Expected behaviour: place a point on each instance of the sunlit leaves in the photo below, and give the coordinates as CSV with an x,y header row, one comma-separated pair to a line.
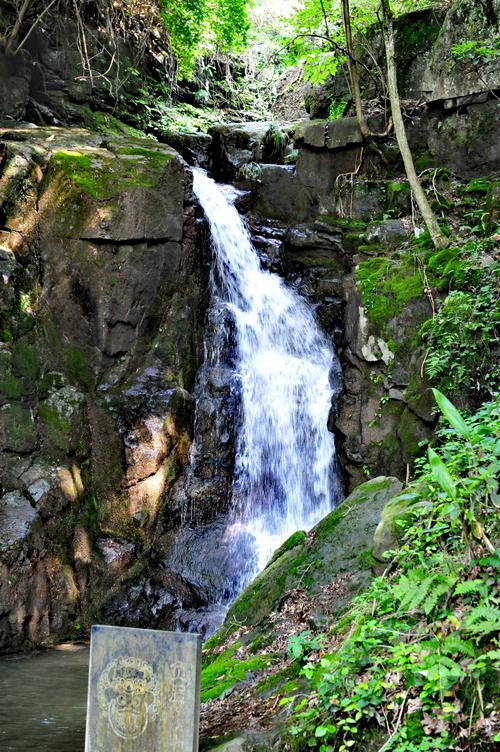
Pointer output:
x,y
196,25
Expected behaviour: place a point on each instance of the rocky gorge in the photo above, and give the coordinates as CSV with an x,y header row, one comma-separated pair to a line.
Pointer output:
x,y
118,432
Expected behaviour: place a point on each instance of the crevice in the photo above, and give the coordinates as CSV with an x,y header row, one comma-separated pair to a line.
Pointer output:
x,y
129,241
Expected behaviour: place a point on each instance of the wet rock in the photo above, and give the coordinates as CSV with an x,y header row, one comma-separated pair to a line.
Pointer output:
x,y
338,545
196,148
143,603
120,304
115,551
16,518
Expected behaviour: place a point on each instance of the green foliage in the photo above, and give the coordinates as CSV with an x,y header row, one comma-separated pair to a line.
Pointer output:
x,y
304,643
317,36
414,657
275,142
200,27
460,336
477,51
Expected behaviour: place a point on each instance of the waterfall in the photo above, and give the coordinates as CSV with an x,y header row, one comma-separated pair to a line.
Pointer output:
x,y
284,476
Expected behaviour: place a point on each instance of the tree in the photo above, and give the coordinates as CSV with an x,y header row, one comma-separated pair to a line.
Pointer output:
x,y
321,17
439,240
197,26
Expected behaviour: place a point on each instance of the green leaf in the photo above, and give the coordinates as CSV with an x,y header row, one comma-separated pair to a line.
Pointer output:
x,y
441,475
451,414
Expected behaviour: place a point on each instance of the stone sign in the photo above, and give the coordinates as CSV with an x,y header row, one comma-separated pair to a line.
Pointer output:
x,y
144,688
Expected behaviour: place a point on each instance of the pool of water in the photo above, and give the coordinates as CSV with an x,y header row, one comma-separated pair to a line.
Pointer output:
x,y
43,700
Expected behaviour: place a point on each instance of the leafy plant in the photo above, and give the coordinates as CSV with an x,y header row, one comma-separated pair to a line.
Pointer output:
x,y
197,27
477,51
416,654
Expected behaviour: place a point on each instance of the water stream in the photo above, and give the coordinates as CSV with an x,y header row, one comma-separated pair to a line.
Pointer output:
x,y
284,477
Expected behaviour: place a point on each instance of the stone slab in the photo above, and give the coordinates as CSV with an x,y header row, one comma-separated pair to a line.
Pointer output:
x,y
343,132
144,689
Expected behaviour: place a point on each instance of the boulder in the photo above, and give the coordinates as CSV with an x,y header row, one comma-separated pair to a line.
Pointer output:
x,y
279,195
338,545
237,144
459,82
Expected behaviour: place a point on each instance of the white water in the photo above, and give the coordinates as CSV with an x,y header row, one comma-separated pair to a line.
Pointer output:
x,y
284,469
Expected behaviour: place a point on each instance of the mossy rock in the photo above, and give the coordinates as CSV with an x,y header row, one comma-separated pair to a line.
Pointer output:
x,y
25,360
62,419
411,432
17,428
226,670
387,286
388,534
339,544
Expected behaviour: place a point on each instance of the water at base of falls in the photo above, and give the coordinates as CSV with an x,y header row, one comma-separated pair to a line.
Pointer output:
x,y
284,475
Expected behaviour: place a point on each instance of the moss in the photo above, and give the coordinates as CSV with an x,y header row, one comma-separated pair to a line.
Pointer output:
x,y
394,190
425,162
58,428
446,267
139,151
283,681
107,124
226,671
25,360
294,540
11,387
101,177
77,367
17,424
50,380
387,286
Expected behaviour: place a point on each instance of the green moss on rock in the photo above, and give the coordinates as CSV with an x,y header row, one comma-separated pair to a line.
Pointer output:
x,y
227,670
25,360
387,285
100,177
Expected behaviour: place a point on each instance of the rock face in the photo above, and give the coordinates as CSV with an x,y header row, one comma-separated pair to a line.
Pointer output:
x,y
102,301
48,81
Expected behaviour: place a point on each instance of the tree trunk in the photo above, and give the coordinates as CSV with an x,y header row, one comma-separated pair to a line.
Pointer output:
x,y
353,70
15,31
439,240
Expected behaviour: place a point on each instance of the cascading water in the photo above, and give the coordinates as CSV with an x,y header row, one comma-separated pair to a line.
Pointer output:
x,y
284,477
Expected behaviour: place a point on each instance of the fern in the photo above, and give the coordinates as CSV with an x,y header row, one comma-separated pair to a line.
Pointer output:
x,y
483,620
471,586
456,646
438,591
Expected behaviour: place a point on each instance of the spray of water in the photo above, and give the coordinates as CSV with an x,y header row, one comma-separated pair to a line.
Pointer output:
x,y
285,456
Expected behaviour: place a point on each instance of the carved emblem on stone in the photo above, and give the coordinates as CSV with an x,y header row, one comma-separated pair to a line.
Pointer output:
x,y
128,695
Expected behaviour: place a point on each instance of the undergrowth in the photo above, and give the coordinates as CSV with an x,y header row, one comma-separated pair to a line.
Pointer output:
x,y
415,667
